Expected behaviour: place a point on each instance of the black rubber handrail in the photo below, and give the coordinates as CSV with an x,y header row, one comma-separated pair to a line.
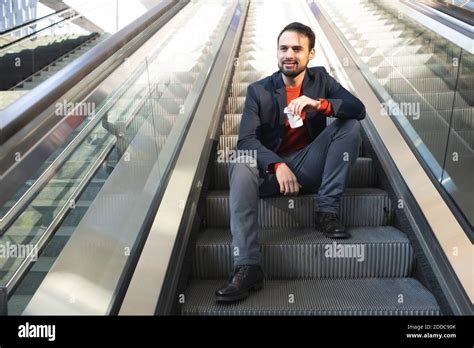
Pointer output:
x,y
461,13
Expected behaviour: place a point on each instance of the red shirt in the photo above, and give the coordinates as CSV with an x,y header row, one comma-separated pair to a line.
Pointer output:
x,y
297,138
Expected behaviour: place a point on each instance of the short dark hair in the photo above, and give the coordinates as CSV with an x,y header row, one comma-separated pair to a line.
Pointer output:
x,y
301,29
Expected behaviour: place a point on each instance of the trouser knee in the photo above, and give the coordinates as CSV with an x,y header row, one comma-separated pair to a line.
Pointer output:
x,y
243,167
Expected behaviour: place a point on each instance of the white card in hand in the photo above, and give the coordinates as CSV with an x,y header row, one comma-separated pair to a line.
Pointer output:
x,y
295,121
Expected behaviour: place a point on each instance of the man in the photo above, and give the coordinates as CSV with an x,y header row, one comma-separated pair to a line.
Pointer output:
x,y
294,154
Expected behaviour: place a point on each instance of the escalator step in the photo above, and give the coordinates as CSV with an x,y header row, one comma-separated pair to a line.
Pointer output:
x,y
435,100
304,253
406,49
461,118
362,175
410,60
248,76
426,71
423,85
231,123
380,35
399,296
230,141
235,105
358,207
387,43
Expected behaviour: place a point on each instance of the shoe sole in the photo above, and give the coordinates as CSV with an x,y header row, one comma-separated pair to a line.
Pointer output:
x,y
340,235
242,296
337,235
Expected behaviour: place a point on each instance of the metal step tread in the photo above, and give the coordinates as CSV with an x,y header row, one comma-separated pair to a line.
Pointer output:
x,y
362,174
399,296
307,254
298,236
229,141
365,191
358,207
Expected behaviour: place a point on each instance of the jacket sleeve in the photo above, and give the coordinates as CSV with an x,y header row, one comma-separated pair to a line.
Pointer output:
x,y
344,104
250,132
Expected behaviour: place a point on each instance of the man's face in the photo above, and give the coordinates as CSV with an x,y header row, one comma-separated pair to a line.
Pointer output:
x,y
293,53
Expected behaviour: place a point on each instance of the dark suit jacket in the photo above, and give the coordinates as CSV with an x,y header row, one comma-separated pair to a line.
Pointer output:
x,y
263,121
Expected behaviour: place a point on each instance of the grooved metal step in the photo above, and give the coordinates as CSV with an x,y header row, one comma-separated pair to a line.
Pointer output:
x,y
380,35
409,60
426,71
462,118
423,85
370,27
389,42
399,296
235,105
228,142
232,123
306,253
438,101
239,89
406,49
250,76
358,207
362,174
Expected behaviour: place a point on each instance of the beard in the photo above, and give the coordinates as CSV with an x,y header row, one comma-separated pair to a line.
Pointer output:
x,y
291,72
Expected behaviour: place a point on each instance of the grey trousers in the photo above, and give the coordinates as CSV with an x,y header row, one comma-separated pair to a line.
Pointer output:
x,y
322,167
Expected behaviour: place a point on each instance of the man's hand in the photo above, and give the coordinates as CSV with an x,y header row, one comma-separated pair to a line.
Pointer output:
x,y
303,103
288,183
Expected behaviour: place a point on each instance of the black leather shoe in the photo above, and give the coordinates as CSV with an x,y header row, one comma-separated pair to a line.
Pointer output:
x,y
329,224
241,280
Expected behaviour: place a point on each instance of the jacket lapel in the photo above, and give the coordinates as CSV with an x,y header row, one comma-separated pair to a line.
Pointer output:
x,y
308,89
279,97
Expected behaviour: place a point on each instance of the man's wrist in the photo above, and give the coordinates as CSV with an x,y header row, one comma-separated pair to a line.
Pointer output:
x,y
317,104
325,107
276,165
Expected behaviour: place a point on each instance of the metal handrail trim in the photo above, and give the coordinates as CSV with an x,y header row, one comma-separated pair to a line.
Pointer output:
x,y
25,109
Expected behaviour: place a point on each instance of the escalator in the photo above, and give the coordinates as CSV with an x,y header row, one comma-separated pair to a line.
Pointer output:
x,y
300,278
129,213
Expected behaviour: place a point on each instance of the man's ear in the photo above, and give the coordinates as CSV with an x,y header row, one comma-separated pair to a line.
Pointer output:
x,y
312,53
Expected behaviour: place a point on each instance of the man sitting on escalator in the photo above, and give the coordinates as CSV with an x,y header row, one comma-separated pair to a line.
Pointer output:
x,y
284,124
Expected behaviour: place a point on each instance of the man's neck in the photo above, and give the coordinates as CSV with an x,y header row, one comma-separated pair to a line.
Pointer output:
x,y
293,81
